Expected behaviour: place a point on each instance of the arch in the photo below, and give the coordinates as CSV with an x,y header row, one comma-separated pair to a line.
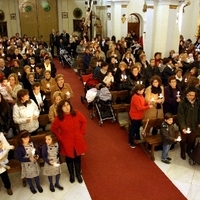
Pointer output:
x,y
135,21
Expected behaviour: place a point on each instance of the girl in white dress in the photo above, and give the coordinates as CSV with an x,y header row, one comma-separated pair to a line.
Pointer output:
x,y
50,154
28,155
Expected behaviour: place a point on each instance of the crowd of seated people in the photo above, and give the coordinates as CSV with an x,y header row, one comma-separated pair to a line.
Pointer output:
x,y
28,81
27,65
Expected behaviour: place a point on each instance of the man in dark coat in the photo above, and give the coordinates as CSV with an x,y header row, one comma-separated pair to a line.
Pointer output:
x,y
189,120
150,71
168,71
4,68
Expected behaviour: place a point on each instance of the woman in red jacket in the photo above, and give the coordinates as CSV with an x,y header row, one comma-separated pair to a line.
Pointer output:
x,y
137,108
69,127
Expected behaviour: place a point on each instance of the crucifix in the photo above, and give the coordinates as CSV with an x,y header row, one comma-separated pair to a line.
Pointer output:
x,y
88,16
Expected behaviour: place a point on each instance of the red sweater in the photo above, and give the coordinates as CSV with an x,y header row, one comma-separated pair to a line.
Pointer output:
x,y
70,134
138,106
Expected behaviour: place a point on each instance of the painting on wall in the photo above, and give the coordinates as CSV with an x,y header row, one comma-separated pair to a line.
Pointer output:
x,y
77,24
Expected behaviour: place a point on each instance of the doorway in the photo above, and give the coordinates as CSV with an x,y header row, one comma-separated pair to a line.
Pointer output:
x,y
38,18
134,24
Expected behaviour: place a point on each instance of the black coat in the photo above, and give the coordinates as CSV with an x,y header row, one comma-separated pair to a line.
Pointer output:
x,y
53,69
167,72
5,117
188,114
44,109
170,104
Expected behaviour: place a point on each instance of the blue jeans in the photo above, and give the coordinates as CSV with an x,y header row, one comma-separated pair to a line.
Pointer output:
x,y
165,150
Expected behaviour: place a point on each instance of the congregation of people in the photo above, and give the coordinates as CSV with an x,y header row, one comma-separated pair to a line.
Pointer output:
x,y
32,91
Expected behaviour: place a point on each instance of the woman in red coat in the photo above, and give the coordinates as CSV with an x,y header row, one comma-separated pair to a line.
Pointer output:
x,y
69,127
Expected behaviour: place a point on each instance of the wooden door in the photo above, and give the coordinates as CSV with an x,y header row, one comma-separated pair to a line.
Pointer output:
x,y
134,24
37,18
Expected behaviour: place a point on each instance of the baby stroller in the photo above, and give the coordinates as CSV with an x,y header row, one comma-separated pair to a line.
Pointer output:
x,y
65,58
195,155
88,83
103,105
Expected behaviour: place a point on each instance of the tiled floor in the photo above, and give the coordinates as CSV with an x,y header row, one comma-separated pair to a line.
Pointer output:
x,y
75,191
184,176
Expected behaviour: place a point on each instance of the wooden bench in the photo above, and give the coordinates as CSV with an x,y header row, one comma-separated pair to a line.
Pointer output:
x,y
121,107
151,140
15,165
154,140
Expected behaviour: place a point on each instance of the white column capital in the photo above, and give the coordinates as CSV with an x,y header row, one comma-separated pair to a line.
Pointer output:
x,y
168,2
119,1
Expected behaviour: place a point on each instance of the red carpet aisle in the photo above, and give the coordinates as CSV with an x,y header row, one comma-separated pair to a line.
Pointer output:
x,y
111,169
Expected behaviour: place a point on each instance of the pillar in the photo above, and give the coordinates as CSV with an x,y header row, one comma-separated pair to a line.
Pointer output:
x,y
118,9
165,27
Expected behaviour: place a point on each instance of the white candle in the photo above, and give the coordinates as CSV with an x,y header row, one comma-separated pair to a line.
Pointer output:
x,y
33,152
138,82
56,164
152,99
188,131
122,76
19,74
48,85
185,80
178,94
67,93
125,77
141,82
160,96
43,98
36,113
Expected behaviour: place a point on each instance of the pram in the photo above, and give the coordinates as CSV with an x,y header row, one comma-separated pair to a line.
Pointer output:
x,y
102,103
65,58
88,83
195,155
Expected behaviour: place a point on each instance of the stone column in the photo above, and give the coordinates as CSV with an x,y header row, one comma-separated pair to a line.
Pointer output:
x,y
118,9
165,35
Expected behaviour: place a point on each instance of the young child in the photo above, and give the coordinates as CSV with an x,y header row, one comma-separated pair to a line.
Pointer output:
x,y
4,88
4,159
109,79
167,133
50,154
28,155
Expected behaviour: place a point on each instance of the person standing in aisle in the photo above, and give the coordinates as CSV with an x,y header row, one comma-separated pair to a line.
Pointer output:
x,y
70,127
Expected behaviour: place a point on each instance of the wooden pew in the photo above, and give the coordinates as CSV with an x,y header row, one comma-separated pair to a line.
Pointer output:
x,y
153,140
121,107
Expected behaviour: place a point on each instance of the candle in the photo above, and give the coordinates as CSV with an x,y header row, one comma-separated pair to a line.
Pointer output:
x,y
178,94
56,164
138,82
36,113
152,99
185,80
67,93
141,82
33,151
19,74
122,76
160,96
188,131
125,77
48,85
43,98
